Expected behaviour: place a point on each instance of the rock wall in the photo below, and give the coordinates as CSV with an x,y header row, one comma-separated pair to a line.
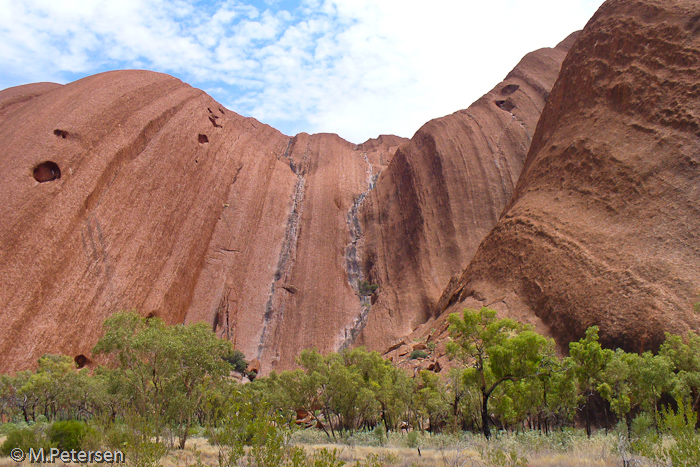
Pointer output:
x,y
604,226
133,190
442,194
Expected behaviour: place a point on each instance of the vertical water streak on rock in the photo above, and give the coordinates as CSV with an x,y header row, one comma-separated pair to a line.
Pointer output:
x,y
352,263
285,261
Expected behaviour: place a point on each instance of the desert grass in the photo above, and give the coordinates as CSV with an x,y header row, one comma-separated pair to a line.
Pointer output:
x,y
531,449
566,449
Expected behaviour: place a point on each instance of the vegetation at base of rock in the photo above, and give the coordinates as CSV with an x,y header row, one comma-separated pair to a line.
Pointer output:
x,y
237,361
418,354
164,383
365,288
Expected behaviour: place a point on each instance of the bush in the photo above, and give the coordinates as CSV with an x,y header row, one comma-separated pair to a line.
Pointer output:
x,y
365,288
380,434
67,435
412,439
237,361
418,354
25,438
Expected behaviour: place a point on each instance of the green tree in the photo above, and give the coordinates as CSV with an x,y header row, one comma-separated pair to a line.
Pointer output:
x,y
495,351
166,370
588,360
684,354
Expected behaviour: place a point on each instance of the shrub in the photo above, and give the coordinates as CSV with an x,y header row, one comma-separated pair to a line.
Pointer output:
x,y
67,435
237,361
24,438
412,439
364,288
418,354
380,434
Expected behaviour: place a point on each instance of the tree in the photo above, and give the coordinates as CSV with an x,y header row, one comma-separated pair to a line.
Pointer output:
x,y
588,359
495,351
166,370
684,354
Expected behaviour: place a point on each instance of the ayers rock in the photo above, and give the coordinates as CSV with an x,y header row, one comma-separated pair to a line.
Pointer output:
x,y
133,190
604,226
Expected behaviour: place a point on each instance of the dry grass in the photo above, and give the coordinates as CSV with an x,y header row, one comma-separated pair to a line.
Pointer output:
x,y
435,451
467,451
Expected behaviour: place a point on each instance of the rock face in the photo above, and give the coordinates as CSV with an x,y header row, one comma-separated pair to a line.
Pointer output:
x,y
443,192
604,227
133,190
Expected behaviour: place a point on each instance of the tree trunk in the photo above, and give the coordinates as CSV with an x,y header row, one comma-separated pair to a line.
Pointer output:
x,y
485,416
185,433
588,415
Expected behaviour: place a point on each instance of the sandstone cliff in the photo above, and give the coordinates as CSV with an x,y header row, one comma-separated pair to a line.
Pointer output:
x,y
443,192
604,226
133,190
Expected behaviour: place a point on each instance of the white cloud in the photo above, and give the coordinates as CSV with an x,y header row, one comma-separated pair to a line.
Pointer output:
x,y
355,67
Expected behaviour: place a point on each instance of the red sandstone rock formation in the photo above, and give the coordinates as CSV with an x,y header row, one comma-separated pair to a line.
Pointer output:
x,y
133,190
604,226
443,192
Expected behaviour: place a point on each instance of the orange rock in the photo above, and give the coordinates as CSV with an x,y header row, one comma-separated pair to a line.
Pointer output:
x,y
132,190
604,228
443,192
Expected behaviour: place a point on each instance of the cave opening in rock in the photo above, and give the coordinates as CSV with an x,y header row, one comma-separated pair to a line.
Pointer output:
x,y
46,171
506,105
202,139
81,360
60,133
509,89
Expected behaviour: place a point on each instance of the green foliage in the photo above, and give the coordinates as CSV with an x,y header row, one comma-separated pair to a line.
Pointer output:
x,y
25,438
496,351
165,371
67,435
237,360
164,381
379,433
364,288
412,439
682,445
589,360
418,354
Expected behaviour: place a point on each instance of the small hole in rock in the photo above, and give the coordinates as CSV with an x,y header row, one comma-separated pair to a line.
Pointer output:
x,y
507,105
221,110
509,89
213,122
46,171
196,161
202,139
60,133
81,360
209,110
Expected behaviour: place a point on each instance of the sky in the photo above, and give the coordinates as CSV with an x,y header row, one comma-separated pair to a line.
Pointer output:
x,y
358,68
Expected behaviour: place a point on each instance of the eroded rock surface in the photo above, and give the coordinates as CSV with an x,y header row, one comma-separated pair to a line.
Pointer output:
x,y
604,227
133,190
443,192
